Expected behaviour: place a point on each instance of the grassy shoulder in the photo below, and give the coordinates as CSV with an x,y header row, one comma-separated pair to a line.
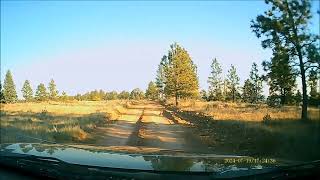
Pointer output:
x,y
55,121
245,112
230,128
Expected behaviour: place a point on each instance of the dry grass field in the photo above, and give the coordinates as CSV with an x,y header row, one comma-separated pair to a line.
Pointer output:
x,y
55,121
246,112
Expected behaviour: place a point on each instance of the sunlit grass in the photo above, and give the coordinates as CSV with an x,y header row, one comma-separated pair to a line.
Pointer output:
x,y
55,121
246,112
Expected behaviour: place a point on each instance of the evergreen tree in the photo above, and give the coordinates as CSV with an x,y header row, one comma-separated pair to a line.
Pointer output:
x,y
64,96
94,96
298,97
281,76
215,81
225,91
256,81
2,100
152,91
285,24
314,98
124,95
247,91
53,92
203,95
111,95
27,92
102,94
160,79
312,81
233,83
137,94
181,75
9,89
41,93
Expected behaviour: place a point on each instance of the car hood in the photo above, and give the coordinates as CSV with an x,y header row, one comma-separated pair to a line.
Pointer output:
x,y
137,158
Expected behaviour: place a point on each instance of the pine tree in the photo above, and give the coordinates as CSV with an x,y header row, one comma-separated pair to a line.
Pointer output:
x,y
9,89
314,93
298,97
247,91
233,83
2,100
225,91
152,91
281,76
53,92
94,96
41,93
181,75
64,96
160,79
112,95
312,81
102,94
124,95
137,94
286,24
27,91
203,95
256,81
215,81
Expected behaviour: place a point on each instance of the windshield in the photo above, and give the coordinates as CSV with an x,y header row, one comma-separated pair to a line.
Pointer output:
x,y
172,86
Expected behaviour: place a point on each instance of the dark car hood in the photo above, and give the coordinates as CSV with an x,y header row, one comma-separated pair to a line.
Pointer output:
x,y
152,160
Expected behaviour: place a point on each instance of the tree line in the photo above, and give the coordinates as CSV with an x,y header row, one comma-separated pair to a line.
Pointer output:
x,y
8,93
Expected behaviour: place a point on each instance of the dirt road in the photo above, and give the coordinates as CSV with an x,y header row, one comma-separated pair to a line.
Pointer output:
x,y
150,125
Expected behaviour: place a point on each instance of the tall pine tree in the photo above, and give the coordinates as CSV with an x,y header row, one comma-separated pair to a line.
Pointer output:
x,y
137,94
256,81
160,79
1,94
9,89
152,91
286,24
247,91
180,74
281,76
53,92
233,83
41,93
314,93
124,95
27,92
215,81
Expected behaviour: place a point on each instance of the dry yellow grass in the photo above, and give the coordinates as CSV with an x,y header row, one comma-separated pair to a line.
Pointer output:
x,y
56,121
246,112
59,108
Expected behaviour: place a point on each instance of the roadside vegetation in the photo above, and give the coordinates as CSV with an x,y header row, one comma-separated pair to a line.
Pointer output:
x,y
55,121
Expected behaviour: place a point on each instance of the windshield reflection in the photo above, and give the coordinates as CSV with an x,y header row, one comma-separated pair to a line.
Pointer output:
x,y
159,161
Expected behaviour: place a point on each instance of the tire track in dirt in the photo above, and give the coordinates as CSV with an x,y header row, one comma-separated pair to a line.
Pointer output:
x,y
151,125
135,139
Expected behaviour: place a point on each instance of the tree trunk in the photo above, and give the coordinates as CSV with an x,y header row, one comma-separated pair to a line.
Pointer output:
x,y
233,96
176,98
304,113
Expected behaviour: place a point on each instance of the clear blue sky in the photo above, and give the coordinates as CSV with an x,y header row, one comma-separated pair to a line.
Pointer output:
x,y
118,45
